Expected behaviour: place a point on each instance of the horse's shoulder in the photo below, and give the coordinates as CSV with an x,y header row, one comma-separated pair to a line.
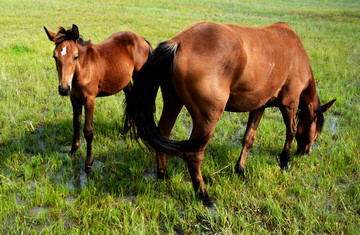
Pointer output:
x,y
281,26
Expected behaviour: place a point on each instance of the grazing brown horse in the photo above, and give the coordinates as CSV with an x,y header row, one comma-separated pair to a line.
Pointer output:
x,y
87,71
211,68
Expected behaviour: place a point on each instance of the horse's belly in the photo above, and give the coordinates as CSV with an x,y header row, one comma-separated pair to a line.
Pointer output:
x,y
244,103
112,84
249,92
249,101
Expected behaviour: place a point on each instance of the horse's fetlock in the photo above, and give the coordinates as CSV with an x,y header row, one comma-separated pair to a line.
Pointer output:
x,y
204,197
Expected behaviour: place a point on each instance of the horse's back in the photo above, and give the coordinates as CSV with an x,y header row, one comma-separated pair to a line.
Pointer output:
x,y
245,67
129,44
116,59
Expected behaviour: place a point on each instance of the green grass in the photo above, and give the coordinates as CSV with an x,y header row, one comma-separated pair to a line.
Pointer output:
x,y
43,190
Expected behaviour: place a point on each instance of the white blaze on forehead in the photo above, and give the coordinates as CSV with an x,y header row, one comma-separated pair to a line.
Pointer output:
x,y
63,52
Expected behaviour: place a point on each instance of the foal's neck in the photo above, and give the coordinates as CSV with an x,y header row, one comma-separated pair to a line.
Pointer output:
x,y
83,57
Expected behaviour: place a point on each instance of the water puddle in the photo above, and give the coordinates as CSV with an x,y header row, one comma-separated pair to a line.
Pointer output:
x,y
74,177
131,199
150,175
37,211
333,123
19,201
70,200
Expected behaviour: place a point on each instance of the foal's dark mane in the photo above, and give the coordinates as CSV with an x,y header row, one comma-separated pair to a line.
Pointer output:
x,y
63,35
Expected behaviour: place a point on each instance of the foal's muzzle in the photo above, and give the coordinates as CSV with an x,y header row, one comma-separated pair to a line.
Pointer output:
x,y
64,91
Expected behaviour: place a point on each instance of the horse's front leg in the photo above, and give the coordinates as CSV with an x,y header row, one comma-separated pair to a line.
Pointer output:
x,y
77,111
249,138
289,115
88,130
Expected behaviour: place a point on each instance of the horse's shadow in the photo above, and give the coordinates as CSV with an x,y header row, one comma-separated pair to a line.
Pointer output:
x,y
116,169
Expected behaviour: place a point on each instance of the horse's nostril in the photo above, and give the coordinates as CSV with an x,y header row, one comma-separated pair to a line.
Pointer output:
x,y
64,92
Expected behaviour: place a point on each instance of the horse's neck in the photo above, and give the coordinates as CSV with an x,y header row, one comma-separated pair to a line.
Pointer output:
x,y
309,100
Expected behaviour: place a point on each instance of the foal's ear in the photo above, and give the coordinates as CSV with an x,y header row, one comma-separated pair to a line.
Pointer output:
x,y
75,33
326,106
51,35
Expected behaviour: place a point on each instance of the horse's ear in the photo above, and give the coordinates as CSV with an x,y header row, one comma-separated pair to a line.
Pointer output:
x,y
75,33
326,106
51,35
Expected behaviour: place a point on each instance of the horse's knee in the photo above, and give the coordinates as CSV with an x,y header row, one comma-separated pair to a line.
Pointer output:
x,y
88,133
248,141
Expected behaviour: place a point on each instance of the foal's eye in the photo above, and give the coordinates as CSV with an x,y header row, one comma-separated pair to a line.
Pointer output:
x,y
76,57
54,57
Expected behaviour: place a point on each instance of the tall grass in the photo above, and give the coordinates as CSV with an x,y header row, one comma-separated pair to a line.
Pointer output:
x,y
44,190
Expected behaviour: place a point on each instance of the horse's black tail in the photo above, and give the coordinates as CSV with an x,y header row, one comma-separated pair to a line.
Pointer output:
x,y
151,50
140,106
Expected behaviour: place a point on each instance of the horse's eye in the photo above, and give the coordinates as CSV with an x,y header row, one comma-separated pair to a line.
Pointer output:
x,y
54,57
76,57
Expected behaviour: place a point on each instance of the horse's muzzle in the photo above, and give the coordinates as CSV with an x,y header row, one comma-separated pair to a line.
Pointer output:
x,y
64,92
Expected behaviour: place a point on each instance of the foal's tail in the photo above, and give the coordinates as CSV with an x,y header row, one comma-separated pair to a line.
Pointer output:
x,y
151,50
140,106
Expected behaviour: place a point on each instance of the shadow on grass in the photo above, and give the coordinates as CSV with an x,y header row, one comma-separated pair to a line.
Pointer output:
x,y
121,166
123,163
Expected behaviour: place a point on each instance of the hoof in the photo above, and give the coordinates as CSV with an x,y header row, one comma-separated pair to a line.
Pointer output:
x,y
72,153
163,175
283,160
123,134
284,166
87,169
206,200
240,171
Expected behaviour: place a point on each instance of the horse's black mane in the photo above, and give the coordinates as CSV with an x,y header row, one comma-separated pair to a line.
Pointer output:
x,y
318,114
320,119
63,35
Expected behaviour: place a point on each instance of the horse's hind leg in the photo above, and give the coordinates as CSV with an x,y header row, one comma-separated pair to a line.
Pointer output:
x,y
171,109
249,138
289,115
77,111
203,128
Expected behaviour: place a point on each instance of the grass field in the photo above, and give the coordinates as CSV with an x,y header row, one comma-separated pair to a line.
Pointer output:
x,y
44,190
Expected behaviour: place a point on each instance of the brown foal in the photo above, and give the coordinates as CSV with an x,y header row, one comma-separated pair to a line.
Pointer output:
x,y
87,70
